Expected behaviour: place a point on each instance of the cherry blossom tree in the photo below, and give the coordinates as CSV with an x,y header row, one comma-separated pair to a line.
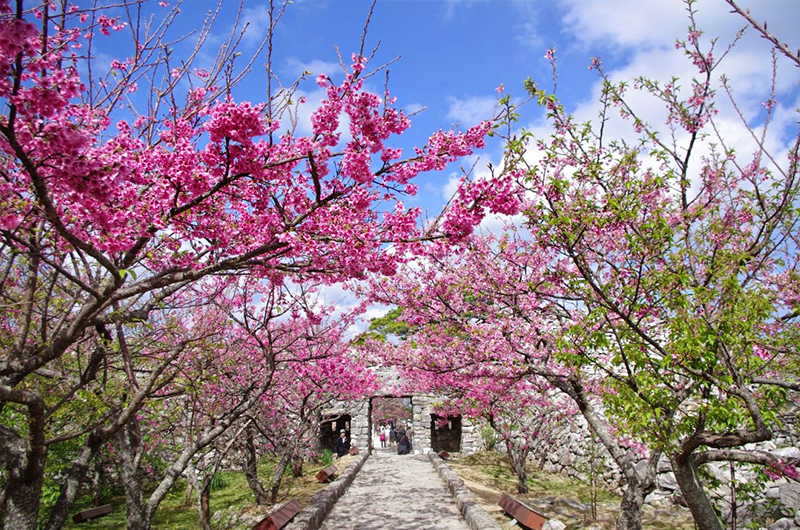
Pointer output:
x,y
655,284
682,254
122,188
275,359
523,411
491,319
670,266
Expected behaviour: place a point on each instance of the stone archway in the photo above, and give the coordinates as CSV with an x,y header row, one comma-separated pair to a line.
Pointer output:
x,y
422,408
329,429
394,411
446,433
361,428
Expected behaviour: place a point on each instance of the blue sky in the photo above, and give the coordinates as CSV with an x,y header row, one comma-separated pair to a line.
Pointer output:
x,y
454,53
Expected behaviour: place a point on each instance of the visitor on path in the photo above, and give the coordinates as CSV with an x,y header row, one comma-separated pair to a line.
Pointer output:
x,y
403,443
382,436
341,444
392,437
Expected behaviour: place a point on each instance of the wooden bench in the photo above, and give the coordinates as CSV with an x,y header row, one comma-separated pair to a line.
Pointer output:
x,y
91,513
524,514
326,473
278,519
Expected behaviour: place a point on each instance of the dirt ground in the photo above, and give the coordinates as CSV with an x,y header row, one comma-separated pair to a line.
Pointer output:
x,y
488,476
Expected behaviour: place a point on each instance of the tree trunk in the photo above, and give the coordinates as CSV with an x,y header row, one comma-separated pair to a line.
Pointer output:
x,y
202,441
205,504
518,457
129,448
637,486
77,474
694,494
251,468
23,488
277,476
98,483
297,466
630,507
24,460
193,478
187,494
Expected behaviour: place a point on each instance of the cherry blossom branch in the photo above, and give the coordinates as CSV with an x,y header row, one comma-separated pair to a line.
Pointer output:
x,y
762,29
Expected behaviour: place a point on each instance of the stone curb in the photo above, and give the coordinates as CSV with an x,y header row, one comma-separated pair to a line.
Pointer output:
x,y
313,515
475,516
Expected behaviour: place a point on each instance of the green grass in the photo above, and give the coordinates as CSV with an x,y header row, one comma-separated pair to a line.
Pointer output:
x,y
497,466
172,514
560,486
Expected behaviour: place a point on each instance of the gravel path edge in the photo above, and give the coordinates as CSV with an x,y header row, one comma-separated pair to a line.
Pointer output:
x,y
475,516
320,505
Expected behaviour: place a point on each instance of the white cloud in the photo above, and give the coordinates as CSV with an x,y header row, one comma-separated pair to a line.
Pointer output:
x,y
298,118
654,23
647,31
296,67
450,7
257,20
413,108
451,187
471,110
624,22
496,223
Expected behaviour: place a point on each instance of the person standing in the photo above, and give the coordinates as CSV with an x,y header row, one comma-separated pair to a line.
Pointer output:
x,y
341,444
403,443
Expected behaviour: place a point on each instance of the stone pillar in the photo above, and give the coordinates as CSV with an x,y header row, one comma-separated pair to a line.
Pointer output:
x,y
359,425
470,437
359,412
421,410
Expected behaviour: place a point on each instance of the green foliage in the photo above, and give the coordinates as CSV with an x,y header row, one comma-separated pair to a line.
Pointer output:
x,y
382,328
218,482
490,437
231,491
60,457
327,457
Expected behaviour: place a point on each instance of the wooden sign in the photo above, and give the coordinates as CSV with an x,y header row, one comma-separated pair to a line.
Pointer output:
x,y
278,519
326,473
85,515
524,514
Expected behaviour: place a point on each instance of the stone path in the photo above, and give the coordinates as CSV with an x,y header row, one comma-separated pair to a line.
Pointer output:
x,y
400,492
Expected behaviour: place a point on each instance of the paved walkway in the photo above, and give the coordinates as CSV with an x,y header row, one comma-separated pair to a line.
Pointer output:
x,y
400,492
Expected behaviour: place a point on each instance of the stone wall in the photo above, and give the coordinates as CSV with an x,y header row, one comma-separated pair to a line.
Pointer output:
x,y
423,411
359,412
571,451
422,408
